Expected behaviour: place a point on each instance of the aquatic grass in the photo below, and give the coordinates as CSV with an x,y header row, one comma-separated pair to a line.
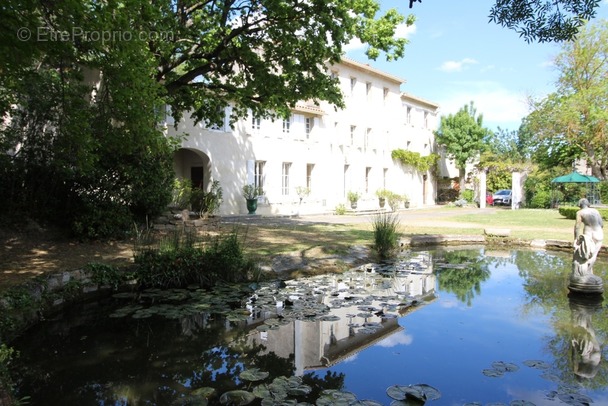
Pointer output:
x,y
180,259
386,234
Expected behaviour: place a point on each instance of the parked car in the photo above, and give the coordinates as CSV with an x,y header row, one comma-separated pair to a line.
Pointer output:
x,y
502,196
489,199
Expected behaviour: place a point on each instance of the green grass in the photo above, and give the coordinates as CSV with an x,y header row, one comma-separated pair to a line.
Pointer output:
x,y
525,224
528,224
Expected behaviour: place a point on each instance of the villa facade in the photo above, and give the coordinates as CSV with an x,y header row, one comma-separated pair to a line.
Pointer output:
x,y
325,151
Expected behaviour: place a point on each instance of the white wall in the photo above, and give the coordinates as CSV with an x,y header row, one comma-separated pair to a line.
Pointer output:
x,y
374,108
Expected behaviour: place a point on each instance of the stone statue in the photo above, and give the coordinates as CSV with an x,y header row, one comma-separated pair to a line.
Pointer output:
x,y
588,236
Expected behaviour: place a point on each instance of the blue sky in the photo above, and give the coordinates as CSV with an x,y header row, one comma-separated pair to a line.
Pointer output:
x,y
456,56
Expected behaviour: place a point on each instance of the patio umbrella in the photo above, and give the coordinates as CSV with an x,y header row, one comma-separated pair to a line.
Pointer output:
x,y
575,177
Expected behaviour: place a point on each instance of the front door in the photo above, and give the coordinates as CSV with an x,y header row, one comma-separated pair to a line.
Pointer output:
x,y
197,177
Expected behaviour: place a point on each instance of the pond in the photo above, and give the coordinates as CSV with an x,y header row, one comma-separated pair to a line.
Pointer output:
x,y
449,326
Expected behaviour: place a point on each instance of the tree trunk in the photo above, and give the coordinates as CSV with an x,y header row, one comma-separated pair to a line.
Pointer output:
x,y
462,179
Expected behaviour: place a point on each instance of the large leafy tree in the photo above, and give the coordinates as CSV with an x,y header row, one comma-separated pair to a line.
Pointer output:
x,y
462,135
572,122
83,85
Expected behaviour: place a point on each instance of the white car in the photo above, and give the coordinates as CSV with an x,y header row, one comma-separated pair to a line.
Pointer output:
x,y
502,196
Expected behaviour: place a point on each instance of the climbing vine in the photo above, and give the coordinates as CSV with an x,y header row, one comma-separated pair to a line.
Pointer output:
x,y
415,160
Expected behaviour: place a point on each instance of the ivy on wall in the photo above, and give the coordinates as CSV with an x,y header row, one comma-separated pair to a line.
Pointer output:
x,y
415,160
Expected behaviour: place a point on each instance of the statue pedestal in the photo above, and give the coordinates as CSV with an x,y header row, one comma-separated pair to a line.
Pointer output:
x,y
588,284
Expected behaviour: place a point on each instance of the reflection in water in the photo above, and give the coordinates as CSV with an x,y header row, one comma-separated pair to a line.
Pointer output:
x,y
364,305
586,350
361,331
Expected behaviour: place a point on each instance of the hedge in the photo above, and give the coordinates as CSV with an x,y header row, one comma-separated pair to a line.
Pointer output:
x,y
570,212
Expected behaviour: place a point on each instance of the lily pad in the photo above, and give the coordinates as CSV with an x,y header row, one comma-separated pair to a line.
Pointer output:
x,y
505,366
237,398
574,399
422,392
493,373
205,392
538,364
331,397
253,375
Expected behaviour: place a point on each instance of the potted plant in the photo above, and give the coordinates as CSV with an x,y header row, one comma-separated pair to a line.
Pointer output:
x,y
394,200
382,194
251,193
302,192
353,198
406,201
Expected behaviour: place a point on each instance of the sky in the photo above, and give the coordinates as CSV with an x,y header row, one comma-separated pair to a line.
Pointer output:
x,y
455,56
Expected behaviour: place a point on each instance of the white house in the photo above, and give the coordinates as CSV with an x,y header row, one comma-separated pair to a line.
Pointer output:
x,y
328,152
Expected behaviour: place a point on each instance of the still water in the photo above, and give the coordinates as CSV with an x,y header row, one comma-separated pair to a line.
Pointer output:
x,y
469,326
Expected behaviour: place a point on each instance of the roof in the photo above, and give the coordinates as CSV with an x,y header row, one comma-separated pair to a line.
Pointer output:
x,y
308,108
419,100
371,70
575,177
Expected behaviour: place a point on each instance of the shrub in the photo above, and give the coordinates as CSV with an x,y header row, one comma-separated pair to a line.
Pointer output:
x,y
182,192
386,236
181,259
540,200
340,209
570,212
207,202
468,195
394,200
7,354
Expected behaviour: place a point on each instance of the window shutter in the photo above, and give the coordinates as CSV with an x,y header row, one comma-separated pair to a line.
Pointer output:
x,y
250,171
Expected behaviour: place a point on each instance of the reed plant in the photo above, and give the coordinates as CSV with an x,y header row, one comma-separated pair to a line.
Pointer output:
x,y
183,258
386,234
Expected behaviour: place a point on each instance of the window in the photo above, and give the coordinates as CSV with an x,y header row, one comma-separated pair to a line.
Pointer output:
x,y
353,83
258,175
334,74
285,178
368,135
384,172
256,123
309,125
426,119
368,91
309,169
368,170
409,115
346,180
286,125
353,128
385,94
219,126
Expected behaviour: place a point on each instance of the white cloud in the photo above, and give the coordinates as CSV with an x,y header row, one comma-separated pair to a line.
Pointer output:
x,y
457,66
401,338
353,45
499,106
405,31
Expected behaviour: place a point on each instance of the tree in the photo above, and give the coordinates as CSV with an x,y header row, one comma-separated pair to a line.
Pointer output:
x,y
462,135
572,122
542,20
258,56
84,84
506,152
